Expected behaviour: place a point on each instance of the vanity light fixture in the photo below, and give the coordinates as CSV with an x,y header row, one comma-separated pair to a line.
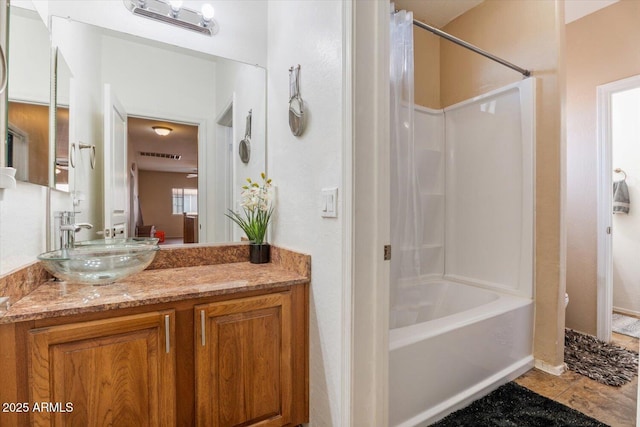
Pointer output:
x,y
172,12
161,130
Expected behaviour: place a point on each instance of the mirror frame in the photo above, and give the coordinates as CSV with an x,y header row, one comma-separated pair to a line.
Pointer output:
x,y
4,38
53,94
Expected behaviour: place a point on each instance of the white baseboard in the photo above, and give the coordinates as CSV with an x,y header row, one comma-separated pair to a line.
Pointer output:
x,y
631,313
550,369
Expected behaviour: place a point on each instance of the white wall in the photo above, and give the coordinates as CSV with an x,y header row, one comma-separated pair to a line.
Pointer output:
x,y
157,81
310,33
82,51
22,225
175,85
29,48
245,86
242,34
626,228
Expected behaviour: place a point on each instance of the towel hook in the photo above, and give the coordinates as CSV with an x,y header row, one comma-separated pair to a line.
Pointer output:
x,y
618,170
5,71
92,158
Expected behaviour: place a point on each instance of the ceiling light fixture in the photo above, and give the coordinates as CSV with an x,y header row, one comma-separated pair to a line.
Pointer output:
x,y
162,130
172,12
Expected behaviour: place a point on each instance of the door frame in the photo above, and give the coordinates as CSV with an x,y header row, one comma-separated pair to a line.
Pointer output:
x,y
366,171
201,123
112,105
604,203
225,129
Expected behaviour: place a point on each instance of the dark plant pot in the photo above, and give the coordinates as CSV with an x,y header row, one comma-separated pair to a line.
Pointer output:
x,y
259,254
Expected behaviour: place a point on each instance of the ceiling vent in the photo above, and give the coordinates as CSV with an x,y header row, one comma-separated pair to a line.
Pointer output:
x,y
161,155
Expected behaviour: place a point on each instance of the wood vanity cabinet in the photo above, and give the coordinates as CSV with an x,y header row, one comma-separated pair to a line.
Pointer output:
x,y
113,372
244,362
227,360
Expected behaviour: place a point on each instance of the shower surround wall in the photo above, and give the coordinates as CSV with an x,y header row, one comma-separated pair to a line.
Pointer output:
x,y
531,34
429,158
477,216
489,190
429,139
476,211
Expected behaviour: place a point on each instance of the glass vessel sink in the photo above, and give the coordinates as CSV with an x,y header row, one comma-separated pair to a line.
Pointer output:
x,y
99,262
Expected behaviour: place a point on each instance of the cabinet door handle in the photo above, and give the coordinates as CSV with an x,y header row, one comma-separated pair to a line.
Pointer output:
x,y
167,332
202,327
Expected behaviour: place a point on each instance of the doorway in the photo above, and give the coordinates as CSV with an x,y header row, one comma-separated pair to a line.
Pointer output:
x,y
163,160
619,232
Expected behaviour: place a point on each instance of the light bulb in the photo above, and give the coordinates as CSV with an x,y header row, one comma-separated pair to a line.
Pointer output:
x,y
175,5
207,12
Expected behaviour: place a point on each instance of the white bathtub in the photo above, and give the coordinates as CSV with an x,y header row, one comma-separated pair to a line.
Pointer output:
x,y
450,344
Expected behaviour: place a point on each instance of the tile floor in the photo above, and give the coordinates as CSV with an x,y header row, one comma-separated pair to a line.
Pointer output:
x,y
615,406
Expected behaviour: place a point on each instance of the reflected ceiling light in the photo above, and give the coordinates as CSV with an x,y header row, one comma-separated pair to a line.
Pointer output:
x,y
172,12
161,130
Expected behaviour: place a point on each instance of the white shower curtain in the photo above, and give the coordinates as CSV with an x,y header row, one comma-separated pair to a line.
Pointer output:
x,y
406,211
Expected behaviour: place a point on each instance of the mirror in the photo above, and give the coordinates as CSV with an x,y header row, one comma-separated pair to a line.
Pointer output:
x,y
178,179
27,143
62,81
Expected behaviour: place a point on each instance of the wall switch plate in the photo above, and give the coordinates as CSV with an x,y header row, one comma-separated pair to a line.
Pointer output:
x,y
329,203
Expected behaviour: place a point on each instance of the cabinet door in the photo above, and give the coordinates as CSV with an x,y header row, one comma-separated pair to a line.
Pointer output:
x,y
243,362
113,372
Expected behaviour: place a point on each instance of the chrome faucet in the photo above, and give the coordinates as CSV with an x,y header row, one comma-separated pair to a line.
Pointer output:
x,y
68,229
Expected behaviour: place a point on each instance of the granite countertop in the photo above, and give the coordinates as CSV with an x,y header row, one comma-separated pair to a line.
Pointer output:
x,y
54,299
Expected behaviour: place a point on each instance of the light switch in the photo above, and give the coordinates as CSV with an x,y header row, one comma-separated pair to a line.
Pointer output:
x,y
329,202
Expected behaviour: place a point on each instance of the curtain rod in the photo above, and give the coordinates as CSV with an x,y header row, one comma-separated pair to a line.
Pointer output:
x,y
525,73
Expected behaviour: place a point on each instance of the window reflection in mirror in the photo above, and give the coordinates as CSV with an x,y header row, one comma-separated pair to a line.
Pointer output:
x,y
28,91
163,84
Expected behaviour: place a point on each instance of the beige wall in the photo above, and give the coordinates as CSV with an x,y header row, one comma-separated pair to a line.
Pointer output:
x,y
34,120
601,48
531,37
427,68
155,199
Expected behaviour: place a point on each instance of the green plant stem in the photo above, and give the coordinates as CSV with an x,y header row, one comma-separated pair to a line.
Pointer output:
x,y
254,223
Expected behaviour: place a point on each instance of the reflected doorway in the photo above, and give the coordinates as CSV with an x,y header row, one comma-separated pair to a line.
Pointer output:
x,y
224,166
163,159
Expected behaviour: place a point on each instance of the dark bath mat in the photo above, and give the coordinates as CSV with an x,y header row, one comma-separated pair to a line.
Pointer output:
x,y
606,363
515,406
